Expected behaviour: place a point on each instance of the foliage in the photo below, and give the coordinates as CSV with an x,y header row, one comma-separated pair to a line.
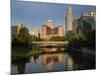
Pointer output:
x,y
58,38
91,35
77,41
20,54
77,38
86,40
22,38
69,35
35,38
91,38
33,52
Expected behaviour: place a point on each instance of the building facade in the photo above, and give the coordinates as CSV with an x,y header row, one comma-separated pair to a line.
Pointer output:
x,y
58,31
48,31
87,22
84,22
75,26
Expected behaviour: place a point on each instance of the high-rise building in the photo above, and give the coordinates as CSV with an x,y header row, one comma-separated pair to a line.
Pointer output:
x,y
69,21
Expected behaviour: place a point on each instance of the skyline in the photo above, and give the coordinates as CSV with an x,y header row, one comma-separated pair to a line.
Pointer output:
x,y
35,14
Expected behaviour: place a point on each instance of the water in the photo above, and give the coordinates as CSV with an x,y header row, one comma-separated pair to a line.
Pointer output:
x,y
53,62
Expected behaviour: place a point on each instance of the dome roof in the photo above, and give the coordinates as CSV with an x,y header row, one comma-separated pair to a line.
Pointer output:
x,y
49,20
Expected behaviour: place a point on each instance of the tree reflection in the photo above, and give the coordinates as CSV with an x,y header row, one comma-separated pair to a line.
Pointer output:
x,y
21,64
21,68
34,58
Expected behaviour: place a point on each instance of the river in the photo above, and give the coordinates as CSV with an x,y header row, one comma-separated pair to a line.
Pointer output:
x,y
54,62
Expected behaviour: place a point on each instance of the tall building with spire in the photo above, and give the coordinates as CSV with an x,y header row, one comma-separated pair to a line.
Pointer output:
x,y
69,20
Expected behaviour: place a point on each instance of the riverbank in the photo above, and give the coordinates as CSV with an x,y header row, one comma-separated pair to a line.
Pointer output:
x,y
85,50
21,54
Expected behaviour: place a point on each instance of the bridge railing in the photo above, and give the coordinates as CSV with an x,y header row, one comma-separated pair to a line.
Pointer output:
x,y
50,42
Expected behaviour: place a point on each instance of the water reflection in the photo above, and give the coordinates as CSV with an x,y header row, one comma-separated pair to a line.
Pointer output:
x,y
34,58
53,49
50,59
21,68
54,62
69,62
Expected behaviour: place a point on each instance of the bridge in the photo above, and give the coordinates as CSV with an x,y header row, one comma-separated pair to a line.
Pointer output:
x,y
50,43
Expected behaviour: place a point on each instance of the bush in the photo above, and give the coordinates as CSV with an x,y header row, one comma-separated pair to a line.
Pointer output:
x,y
58,38
69,35
77,41
77,38
35,38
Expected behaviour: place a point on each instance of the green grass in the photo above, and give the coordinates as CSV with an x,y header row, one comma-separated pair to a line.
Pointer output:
x,y
18,54
33,52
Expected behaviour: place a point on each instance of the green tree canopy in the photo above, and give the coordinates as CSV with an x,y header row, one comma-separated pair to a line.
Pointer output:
x,y
58,38
22,38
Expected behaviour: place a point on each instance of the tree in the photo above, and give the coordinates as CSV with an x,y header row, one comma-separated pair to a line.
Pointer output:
x,y
91,35
22,38
91,38
58,38
69,35
77,41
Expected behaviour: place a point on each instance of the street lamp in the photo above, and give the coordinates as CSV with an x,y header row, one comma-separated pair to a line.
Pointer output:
x,y
33,33
33,40
33,36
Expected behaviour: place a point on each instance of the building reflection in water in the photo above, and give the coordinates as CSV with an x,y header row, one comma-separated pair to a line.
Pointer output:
x,y
49,66
48,60
53,62
69,63
58,58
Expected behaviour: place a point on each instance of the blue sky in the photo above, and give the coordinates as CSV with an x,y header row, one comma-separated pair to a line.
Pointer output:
x,y
35,14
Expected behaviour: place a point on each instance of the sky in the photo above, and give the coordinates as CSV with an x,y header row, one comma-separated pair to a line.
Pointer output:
x,y
35,14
